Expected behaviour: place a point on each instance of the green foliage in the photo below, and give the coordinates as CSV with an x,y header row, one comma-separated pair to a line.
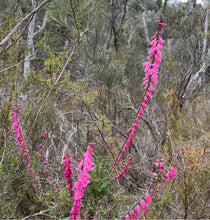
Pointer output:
x,y
101,89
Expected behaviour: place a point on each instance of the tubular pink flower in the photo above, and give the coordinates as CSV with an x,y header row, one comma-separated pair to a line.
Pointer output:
x,y
68,172
144,105
148,198
144,205
152,190
137,211
131,214
16,125
150,79
120,158
149,95
141,111
161,166
127,217
167,176
151,88
173,171
82,182
137,121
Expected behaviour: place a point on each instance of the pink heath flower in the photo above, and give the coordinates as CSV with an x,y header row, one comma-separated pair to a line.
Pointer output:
x,y
150,79
82,182
127,217
137,211
68,172
152,190
148,198
161,165
144,205
131,214
173,171
167,176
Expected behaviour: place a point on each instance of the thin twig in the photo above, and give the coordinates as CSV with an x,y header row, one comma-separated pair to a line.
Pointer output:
x,y
10,67
36,214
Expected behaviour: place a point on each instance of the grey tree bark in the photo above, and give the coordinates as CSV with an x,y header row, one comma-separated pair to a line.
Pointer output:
x,y
146,33
30,41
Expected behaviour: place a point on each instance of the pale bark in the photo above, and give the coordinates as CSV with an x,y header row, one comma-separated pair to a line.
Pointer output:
x,y
192,4
30,44
146,33
30,41
169,46
200,75
205,29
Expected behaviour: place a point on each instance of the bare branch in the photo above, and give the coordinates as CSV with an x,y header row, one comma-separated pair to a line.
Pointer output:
x,y
7,38
10,67
37,214
43,25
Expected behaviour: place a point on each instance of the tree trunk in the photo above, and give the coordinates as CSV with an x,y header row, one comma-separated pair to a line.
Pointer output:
x,y
205,29
30,47
146,33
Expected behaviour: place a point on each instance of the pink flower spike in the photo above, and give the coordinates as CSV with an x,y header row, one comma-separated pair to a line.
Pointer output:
x,y
92,144
148,198
83,180
137,211
143,205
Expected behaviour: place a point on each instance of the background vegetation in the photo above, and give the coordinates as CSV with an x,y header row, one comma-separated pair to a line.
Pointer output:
x,y
76,68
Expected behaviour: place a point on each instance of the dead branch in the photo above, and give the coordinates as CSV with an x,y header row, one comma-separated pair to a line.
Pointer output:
x,y
14,30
